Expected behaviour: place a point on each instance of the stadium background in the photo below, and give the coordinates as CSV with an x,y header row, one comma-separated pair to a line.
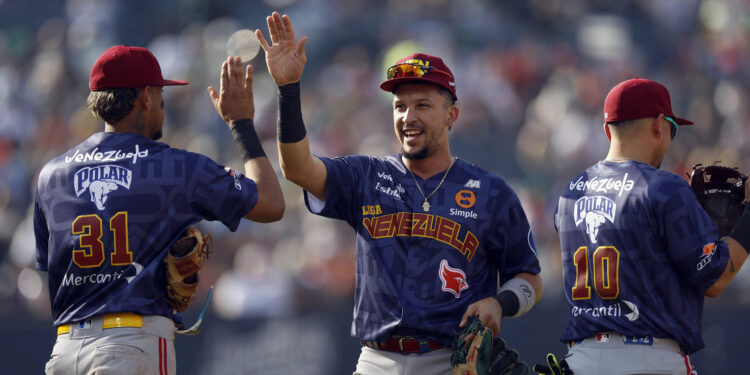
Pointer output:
x,y
531,78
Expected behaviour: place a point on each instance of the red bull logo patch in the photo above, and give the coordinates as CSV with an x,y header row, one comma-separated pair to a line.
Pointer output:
x,y
454,279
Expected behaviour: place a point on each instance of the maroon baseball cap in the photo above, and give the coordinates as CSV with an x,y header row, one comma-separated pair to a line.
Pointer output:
x,y
429,69
122,67
639,98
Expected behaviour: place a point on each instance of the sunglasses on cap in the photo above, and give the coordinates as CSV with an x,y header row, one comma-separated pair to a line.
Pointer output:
x,y
409,70
674,125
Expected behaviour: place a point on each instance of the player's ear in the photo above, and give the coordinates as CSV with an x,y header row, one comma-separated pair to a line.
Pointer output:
x,y
607,132
452,116
144,97
656,129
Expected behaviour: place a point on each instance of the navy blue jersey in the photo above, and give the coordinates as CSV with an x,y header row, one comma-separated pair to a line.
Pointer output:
x,y
106,212
638,252
416,270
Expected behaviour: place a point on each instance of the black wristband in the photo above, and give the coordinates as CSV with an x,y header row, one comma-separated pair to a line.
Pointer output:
x,y
508,302
246,139
741,231
291,128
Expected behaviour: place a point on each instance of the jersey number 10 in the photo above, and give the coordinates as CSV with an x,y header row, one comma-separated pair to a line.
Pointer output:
x,y
89,227
606,261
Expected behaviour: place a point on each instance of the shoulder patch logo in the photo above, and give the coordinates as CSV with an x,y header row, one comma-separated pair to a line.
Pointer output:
x,y
595,211
236,175
100,181
454,279
473,184
708,252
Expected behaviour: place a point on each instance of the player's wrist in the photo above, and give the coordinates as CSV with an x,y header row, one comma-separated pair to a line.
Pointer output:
x,y
246,139
508,303
516,297
291,127
741,231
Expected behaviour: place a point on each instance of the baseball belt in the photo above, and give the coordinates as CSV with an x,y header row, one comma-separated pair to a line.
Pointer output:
x,y
616,338
405,344
114,320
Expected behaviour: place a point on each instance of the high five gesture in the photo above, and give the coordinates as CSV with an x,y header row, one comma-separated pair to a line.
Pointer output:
x,y
285,57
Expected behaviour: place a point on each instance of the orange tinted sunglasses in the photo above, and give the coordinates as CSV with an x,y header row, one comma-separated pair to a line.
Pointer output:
x,y
407,70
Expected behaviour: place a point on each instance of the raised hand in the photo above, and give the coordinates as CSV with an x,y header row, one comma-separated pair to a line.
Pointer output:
x,y
234,101
285,57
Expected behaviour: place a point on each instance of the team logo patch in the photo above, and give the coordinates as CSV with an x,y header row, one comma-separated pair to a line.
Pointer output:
x,y
602,337
236,174
708,252
101,181
595,211
466,198
454,279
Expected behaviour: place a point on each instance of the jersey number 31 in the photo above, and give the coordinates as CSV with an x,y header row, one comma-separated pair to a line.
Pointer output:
x,y
91,254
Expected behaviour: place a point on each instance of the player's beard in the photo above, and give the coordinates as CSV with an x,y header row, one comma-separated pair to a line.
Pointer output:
x,y
421,154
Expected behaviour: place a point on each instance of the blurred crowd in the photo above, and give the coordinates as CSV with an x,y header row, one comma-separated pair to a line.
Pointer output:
x,y
531,79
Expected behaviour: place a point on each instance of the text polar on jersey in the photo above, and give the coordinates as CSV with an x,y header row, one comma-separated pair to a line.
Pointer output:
x,y
594,211
100,181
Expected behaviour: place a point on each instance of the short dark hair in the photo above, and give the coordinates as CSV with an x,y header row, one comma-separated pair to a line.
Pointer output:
x,y
448,95
112,105
625,127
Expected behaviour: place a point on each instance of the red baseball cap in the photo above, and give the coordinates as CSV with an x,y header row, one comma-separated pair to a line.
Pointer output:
x,y
639,98
122,67
435,72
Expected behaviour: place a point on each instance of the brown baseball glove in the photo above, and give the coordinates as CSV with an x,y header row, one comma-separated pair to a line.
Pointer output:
x,y
721,192
184,259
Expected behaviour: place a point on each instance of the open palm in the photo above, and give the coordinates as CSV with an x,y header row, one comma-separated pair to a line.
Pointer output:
x,y
285,58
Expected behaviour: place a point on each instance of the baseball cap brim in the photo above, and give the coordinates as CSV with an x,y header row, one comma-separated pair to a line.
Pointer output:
x,y
681,121
390,85
173,82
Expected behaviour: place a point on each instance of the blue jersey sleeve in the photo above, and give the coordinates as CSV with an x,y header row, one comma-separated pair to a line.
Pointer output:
x,y
218,193
342,189
511,246
41,234
692,238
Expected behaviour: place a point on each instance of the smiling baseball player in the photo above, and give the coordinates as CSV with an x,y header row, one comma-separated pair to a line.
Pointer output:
x,y
435,234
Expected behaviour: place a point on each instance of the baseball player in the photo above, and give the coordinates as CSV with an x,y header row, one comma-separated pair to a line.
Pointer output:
x,y
107,210
639,253
435,234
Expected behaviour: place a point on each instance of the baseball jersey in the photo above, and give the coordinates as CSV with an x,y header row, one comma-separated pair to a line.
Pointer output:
x,y
638,252
106,212
418,271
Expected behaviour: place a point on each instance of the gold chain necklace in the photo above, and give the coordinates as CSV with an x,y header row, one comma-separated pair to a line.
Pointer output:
x,y
425,204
